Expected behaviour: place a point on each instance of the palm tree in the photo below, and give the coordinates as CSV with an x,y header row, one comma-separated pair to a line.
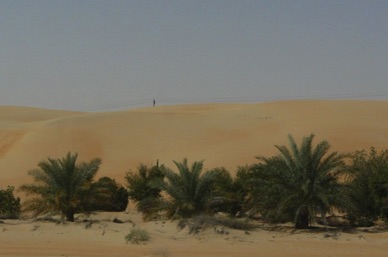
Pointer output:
x,y
144,188
299,182
188,189
61,185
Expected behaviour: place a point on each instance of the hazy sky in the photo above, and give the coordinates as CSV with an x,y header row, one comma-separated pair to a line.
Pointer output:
x,y
93,55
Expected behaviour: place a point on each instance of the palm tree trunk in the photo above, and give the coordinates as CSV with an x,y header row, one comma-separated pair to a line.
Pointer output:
x,y
69,215
302,218
302,222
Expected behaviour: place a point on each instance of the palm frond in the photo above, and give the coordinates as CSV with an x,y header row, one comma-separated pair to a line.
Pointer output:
x,y
188,188
299,176
61,185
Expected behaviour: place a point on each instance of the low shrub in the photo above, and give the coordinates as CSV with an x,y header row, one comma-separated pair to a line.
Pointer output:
x,y
197,223
137,235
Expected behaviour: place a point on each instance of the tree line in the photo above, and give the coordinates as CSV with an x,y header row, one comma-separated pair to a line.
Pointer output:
x,y
300,184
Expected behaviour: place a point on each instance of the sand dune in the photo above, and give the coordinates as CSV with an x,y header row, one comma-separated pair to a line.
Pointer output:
x,y
226,135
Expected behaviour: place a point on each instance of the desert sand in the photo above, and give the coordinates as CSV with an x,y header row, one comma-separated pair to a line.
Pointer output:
x,y
227,135
102,237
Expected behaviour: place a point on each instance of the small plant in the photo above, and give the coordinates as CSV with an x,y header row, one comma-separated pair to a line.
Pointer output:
x,y
234,223
199,222
137,235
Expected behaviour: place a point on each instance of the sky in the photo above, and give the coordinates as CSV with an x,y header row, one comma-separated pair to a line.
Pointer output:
x,y
100,55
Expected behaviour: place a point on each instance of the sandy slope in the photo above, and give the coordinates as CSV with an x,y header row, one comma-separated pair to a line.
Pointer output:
x,y
222,134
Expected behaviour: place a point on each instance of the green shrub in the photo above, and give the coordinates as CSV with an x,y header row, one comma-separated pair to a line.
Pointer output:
x,y
144,188
137,235
9,204
228,193
115,196
366,191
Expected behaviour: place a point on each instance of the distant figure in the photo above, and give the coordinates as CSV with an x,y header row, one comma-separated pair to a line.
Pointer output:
x,y
153,102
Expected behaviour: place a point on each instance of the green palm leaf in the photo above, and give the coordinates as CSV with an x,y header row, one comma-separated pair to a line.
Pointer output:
x,y
62,185
300,181
188,189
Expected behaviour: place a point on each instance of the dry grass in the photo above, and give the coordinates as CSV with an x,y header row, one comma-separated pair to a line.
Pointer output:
x,y
137,236
201,222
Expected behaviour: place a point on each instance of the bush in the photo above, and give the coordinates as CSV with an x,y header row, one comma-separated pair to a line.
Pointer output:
x,y
9,204
228,193
366,191
144,188
137,235
115,196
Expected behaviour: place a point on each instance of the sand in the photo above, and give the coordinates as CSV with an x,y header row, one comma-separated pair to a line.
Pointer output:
x,y
228,135
102,237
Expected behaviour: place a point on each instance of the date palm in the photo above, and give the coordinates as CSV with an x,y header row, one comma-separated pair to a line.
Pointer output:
x,y
62,185
189,189
299,182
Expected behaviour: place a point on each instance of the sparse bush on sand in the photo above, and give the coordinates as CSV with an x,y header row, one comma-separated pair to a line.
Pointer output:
x,y
196,223
137,236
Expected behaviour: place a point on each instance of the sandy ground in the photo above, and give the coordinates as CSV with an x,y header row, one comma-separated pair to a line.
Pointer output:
x,y
225,135
102,237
